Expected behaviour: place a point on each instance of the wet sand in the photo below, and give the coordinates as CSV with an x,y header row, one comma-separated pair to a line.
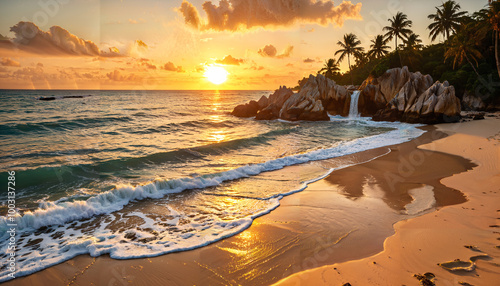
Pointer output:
x,y
346,216
456,245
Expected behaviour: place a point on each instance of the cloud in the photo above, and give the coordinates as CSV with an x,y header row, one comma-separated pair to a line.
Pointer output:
x,y
257,68
311,30
147,64
7,62
140,21
116,75
229,60
241,15
171,67
141,44
309,60
268,51
272,52
29,73
56,41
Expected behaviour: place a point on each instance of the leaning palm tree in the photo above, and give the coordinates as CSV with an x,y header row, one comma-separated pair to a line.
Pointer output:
x,y
350,46
463,47
399,28
378,48
330,68
447,20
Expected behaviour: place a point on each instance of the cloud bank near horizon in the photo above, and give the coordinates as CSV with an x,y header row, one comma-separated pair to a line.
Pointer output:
x,y
241,15
56,41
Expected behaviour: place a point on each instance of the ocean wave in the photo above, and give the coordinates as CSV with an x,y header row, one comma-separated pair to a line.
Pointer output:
x,y
115,199
62,232
21,128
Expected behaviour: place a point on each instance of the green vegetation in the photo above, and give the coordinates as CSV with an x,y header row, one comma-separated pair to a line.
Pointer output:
x,y
467,58
350,46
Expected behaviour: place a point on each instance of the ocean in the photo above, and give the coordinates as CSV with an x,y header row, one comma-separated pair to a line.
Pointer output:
x,y
145,173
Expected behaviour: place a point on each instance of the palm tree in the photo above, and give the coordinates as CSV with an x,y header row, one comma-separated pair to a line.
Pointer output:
x,y
350,46
378,47
489,19
446,20
330,68
411,48
413,42
399,28
361,59
463,47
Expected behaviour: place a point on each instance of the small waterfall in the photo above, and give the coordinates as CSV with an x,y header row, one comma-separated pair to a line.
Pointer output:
x,y
353,109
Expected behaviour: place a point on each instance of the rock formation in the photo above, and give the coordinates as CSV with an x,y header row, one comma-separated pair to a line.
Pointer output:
x,y
397,95
472,103
414,98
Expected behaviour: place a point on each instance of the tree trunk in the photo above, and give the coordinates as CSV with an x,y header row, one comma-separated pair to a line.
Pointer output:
x,y
397,51
496,53
472,66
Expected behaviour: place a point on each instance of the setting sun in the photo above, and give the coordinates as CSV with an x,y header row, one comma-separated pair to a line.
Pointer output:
x,y
215,74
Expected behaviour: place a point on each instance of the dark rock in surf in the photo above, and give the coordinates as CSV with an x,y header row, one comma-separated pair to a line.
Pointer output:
x,y
246,110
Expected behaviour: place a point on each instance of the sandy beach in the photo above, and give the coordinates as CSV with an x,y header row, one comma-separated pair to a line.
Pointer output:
x,y
467,232
361,219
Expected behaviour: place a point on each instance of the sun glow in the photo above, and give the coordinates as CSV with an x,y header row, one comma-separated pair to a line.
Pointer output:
x,y
216,74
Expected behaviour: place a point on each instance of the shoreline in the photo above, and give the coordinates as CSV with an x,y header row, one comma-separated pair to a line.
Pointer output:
x,y
290,229
425,245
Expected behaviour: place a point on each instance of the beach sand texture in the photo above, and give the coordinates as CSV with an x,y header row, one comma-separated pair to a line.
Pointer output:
x,y
463,231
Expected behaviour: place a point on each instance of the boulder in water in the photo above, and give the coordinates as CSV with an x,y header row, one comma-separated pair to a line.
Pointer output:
x,y
246,110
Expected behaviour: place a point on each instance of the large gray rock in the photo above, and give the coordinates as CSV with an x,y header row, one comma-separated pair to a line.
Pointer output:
x,y
307,103
472,103
418,100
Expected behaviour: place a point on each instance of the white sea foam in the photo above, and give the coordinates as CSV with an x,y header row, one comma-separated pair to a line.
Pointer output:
x,y
212,228
51,213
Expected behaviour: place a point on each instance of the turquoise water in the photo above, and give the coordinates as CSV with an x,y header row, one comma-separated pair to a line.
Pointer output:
x,y
144,173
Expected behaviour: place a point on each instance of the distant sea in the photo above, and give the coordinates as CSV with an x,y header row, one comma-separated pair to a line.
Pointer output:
x,y
144,173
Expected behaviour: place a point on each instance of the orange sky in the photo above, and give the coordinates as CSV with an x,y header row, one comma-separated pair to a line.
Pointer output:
x,y
113,44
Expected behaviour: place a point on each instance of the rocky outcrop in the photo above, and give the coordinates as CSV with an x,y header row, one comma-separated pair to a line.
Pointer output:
x,y
307,104
246,110
415,98
472,103
397,95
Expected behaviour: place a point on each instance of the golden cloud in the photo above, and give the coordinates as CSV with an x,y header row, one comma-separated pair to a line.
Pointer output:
x,y
271,52
230,60
7,62
241,15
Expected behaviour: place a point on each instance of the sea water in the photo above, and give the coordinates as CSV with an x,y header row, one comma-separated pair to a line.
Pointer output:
x,y
144,173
